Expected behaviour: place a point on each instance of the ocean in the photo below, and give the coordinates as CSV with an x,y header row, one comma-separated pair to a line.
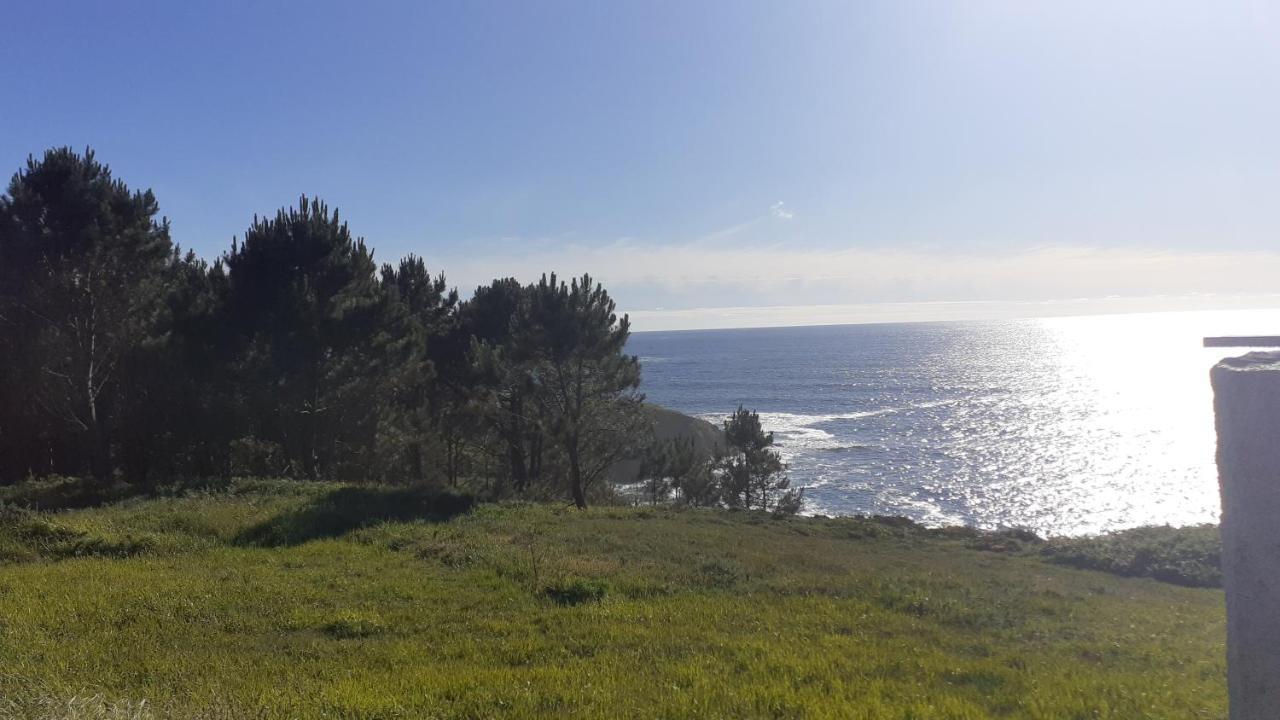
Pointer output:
x,y
1063,426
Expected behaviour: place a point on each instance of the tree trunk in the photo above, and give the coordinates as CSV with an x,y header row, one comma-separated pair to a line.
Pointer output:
x,y
575,475
535,458
415,460
99,449
515,452
311,450
452,459
515,446
99,452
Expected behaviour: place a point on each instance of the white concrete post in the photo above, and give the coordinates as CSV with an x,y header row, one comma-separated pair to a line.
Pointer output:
x,y
1246,400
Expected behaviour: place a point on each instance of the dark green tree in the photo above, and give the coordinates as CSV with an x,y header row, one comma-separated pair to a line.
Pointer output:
x,y
503,357
678,465
654,473
421,423
313,321
291,354
692,472
588,385
83,265
752,472
175,412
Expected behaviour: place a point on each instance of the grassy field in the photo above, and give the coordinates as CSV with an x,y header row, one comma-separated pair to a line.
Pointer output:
x,y
282,600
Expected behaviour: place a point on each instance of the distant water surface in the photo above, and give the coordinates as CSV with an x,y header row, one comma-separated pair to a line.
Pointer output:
x,y
1062,425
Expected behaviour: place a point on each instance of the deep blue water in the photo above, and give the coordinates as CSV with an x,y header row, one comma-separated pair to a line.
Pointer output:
x,y
1063,425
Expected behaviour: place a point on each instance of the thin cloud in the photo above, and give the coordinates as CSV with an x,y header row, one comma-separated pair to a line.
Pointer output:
x,y
798,315
643,277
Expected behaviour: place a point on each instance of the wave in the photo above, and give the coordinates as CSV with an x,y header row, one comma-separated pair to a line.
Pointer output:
x,y
781,421
848,448
796,433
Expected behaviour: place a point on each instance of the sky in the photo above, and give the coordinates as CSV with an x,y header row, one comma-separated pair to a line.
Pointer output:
x,y
717,163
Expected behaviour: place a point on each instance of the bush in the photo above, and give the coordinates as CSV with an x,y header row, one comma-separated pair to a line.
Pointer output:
x,y
789,503
1184,556
1005,541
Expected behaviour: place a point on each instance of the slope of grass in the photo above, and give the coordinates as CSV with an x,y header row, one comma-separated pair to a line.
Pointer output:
x,y
278,600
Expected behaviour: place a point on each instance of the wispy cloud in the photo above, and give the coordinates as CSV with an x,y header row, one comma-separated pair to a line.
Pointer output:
x,y
777,211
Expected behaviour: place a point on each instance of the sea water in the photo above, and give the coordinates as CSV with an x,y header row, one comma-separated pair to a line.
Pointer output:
x,y
1062,425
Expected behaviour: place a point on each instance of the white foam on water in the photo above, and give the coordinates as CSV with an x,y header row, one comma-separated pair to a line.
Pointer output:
x,y
798,435
795,433
922,510
780,421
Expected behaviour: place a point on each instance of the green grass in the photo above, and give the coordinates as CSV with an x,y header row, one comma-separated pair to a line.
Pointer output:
x,y
283,600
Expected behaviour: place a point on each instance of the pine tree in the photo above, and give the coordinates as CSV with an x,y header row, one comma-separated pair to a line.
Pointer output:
x,y
82,273
752,472
314,334
174,414
419,411
503,357
588,383
677,465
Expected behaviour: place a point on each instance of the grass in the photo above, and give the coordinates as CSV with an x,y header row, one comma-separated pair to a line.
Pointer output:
x,y
285,600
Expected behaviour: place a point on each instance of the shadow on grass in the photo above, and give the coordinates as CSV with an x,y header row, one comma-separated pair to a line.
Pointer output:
x,y
350,508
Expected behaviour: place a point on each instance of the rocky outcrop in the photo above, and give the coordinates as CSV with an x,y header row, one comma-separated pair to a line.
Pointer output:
x,y
671,425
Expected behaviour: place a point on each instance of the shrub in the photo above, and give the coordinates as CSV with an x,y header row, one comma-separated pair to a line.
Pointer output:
x,y
1183,556
789,503
1012,540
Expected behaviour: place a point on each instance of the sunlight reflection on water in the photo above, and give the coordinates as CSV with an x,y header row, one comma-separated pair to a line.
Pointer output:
x,y
1063,425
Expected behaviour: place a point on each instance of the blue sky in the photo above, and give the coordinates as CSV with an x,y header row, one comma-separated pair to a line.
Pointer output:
x,y
928,159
